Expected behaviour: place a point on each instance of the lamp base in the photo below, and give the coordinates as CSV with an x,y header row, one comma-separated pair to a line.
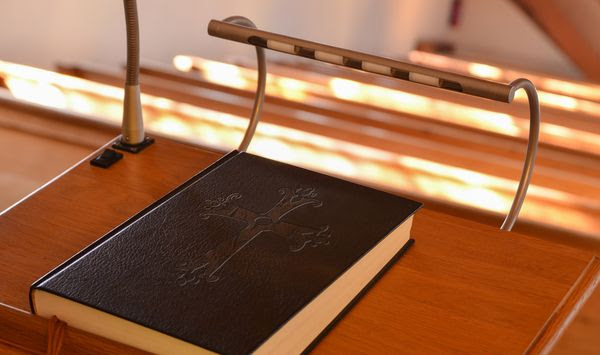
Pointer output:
x,y
119,144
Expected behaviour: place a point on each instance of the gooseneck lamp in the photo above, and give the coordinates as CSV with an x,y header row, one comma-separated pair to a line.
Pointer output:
x,y
133,138
242,30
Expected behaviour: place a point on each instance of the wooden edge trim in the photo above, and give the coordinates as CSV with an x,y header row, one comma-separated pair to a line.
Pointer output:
x,y
567,309
82,161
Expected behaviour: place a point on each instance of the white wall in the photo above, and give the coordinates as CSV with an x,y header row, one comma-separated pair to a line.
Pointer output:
x,y
43,32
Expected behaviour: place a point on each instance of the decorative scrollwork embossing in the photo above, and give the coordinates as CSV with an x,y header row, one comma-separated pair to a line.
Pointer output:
x,y
219,204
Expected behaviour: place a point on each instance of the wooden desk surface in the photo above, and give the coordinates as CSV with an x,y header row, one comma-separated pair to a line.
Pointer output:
x,y
463,287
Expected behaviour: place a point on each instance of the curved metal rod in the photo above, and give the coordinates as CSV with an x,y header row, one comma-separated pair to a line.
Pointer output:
x,y
260,88
534,133
132,125
240,32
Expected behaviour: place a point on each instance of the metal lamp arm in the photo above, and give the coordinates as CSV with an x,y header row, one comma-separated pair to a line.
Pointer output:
x,y
531,152
259,99
242,30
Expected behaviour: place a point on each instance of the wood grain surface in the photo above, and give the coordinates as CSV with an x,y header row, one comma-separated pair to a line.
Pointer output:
x,y
47,145
82,205
463,287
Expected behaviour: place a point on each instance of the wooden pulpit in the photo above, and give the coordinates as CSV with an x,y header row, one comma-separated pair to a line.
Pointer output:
x,y
462,287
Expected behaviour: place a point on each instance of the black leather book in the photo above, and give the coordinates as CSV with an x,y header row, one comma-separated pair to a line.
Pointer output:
x,y
250,255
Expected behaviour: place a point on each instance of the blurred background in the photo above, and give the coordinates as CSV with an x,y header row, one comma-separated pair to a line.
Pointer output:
x,y
61,74
42,33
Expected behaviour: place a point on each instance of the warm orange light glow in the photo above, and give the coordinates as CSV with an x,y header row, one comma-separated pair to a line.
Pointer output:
x,y
408,103
485,181
346,89
170,125
485,71
225,74
563,102
423,106
591,92
292,89
564,87
39,92
409,174
183,63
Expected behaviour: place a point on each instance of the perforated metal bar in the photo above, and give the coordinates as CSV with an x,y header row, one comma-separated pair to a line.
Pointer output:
x,y
362,61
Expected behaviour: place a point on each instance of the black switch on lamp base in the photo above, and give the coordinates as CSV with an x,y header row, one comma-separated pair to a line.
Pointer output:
x,y
107,158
